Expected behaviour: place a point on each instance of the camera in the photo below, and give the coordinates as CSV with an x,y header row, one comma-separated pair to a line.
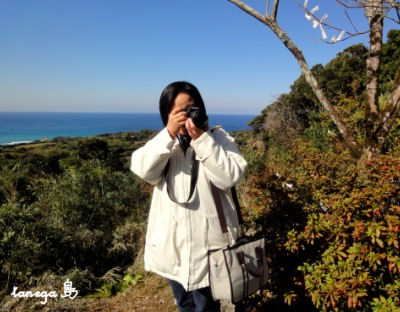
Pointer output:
x,y
198,116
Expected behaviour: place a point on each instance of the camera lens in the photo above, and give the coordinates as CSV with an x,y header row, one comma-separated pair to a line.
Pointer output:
x,y
198,116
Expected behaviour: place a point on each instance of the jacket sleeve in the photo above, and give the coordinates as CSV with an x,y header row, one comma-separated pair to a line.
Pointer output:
x,y
149,161
223,163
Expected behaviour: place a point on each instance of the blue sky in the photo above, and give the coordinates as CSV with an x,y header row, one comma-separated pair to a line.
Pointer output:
x,y
117,56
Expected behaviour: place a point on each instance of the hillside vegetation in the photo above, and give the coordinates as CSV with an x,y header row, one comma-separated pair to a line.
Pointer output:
x,y
70,208
332,221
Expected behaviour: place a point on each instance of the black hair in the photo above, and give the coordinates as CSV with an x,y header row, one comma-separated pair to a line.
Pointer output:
x,y
170,93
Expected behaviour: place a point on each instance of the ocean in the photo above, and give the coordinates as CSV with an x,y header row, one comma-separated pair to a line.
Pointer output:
x,y
30,126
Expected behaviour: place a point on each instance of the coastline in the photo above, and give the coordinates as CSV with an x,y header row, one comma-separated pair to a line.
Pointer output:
x,y
15,143
24,128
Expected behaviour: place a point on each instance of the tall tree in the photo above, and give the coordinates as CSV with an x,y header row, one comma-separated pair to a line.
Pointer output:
x,y
378,121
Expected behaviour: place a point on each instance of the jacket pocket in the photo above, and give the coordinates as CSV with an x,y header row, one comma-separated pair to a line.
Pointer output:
x,y
213,236
164,254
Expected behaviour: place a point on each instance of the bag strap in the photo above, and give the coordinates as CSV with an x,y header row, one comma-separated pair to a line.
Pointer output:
x,y
220,211
217,200
216,192
236,202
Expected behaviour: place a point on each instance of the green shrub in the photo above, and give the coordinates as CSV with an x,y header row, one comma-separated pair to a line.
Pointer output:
x,y
332,227
87,218
359,241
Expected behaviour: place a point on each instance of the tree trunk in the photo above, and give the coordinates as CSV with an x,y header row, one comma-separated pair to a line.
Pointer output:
x,y
373,11
377,123
352,144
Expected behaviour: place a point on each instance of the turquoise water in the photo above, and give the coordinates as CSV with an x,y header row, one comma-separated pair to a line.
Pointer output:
x,y
17,127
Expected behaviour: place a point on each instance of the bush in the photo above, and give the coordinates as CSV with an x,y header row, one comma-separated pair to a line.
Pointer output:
x,y
332,226
358,239
279,201
93,149
88,218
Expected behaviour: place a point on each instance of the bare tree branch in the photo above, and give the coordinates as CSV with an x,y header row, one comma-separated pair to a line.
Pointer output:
x,y
350,20
316,18
393,20
271,23
360,4
275,9
394,3
396,6
389,113
266,8
342,3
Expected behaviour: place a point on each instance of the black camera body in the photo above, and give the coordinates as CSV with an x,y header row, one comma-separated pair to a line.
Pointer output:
x,y
199,117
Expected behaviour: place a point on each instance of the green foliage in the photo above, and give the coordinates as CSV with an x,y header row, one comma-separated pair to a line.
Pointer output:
x,y
93,149
108,289
320,132
96,203
345,74
332,223
332,226
12,182
342,76
390,61
258,122
343,81
360,233
382,304
280,200
41,164
67,216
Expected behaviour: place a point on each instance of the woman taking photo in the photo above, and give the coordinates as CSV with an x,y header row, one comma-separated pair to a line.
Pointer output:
x,y
183,161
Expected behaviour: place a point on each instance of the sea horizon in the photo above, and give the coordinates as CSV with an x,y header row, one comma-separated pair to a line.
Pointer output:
x,y
26,127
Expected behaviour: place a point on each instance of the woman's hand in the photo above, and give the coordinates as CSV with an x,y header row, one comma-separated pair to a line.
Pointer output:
x,y
193,131
176,120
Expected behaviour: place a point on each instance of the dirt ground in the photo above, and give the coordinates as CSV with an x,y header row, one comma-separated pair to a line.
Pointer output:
x,y
153,293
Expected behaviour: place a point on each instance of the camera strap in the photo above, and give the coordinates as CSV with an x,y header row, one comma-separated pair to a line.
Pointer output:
x,y
215,190
193,179
184,141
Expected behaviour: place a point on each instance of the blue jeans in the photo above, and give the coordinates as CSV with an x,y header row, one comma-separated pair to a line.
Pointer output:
x,y
199,300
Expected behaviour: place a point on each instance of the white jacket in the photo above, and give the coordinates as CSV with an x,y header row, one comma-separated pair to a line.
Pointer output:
x,y
179,235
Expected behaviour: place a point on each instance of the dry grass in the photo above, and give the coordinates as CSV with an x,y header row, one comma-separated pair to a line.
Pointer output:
x,y
150,294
